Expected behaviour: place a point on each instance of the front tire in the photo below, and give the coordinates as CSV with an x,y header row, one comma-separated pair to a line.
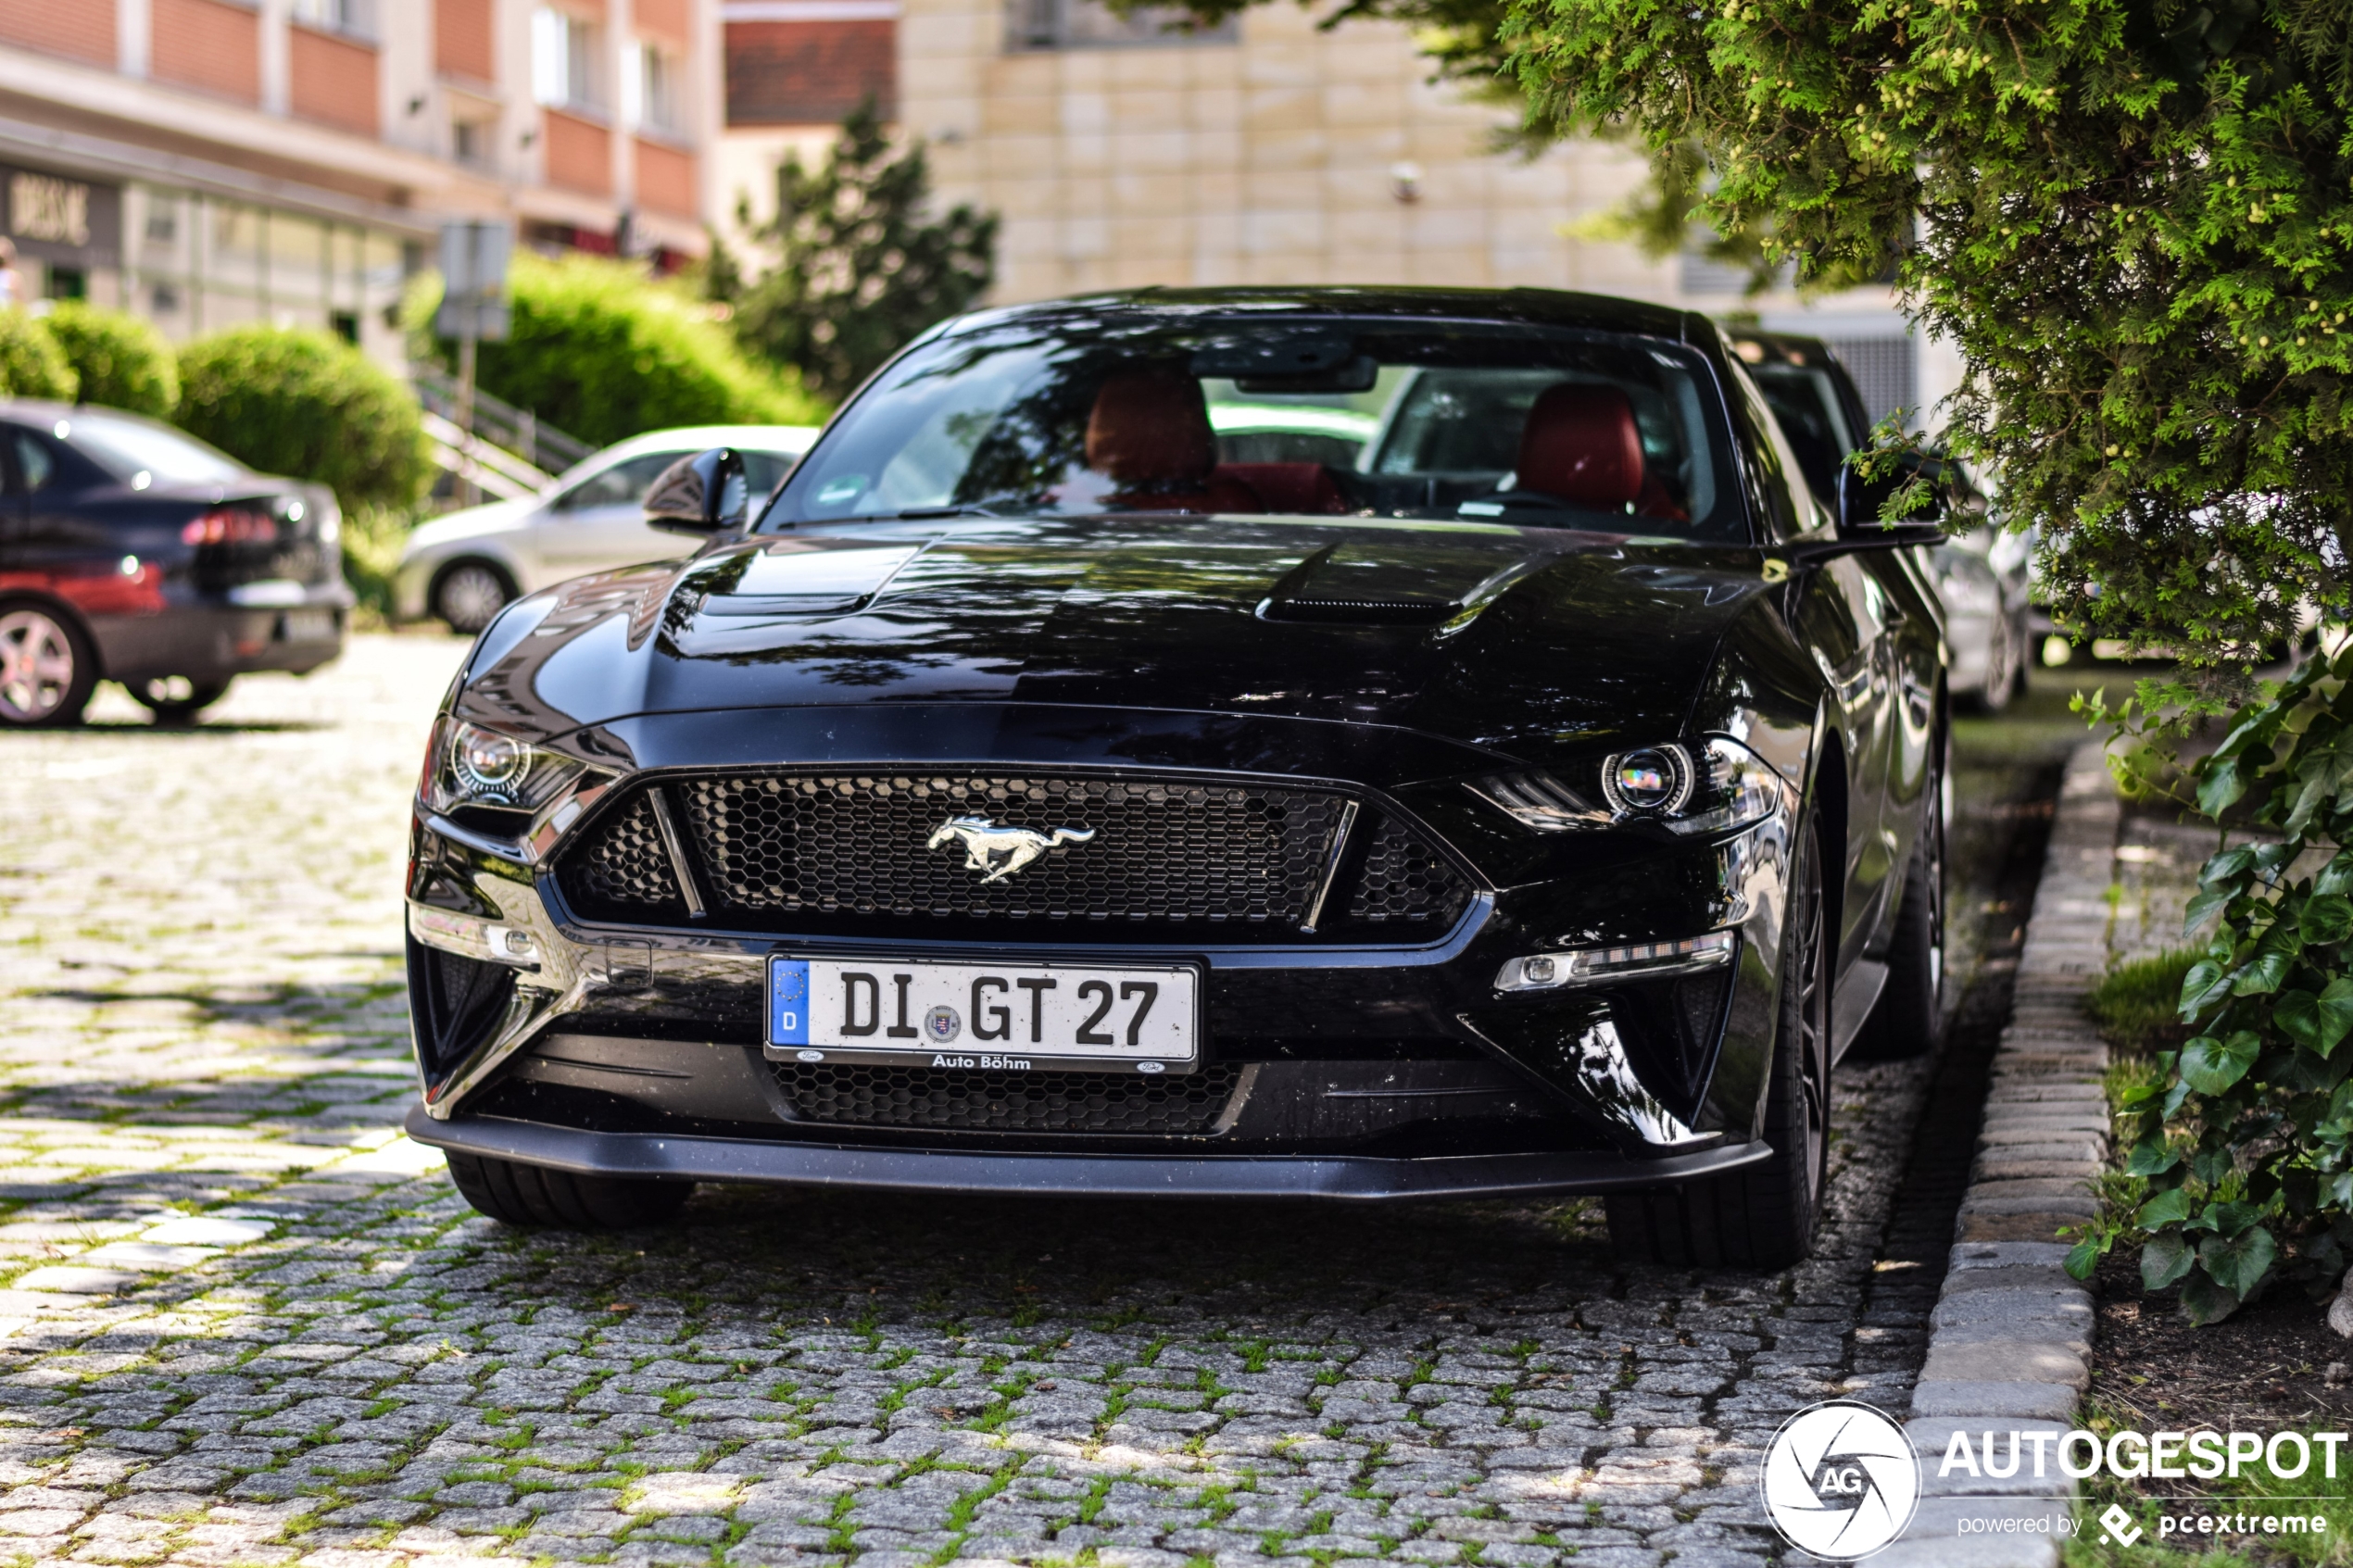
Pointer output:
x,y
1909,1015
48,669
176,699
515,1194
1763,1217
467,594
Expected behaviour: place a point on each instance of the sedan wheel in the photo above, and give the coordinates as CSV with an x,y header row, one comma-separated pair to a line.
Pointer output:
x,y
470,595
2004,657
46,672
176,699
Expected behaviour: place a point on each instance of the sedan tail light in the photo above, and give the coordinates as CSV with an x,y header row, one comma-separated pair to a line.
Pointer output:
x,y
230,525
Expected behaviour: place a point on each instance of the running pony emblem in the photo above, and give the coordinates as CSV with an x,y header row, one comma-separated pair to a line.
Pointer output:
x,y
985,842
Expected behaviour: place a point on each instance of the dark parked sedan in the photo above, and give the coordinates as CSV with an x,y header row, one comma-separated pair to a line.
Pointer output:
x,y
133,552
1024,800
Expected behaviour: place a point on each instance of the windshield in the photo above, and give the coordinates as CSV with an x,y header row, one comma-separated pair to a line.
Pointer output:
x,y
1805,400
127,448
1139,412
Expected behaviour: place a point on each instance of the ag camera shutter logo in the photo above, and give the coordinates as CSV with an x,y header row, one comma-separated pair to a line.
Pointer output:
x,y
1841,1480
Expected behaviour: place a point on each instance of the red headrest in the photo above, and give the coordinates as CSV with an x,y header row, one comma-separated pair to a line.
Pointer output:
x,y
1582,445
1149,429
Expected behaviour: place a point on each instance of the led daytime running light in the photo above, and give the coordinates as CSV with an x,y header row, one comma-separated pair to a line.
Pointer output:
x,y
1654,782
1634,961
1728,787
473,766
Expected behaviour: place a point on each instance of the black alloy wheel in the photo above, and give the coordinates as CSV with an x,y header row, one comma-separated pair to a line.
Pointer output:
x,y
467,594
1763,1217
1909,1015
515,1194
47,667
176,699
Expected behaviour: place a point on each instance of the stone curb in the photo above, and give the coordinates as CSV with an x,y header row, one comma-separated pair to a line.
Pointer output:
x,y
2009,1346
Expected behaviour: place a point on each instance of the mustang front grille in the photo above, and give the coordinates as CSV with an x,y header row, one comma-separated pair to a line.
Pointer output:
x,y
624,870
925,1098
1002,857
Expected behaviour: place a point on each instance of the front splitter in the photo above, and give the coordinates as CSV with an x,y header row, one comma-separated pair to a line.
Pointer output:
x,y
1073,1175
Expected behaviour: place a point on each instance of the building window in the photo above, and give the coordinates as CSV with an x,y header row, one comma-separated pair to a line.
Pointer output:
x,y
650,87
470,141
1091,24
563,60
357,18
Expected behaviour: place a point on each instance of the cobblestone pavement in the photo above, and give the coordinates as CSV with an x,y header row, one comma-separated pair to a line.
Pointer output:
x,y
242,1322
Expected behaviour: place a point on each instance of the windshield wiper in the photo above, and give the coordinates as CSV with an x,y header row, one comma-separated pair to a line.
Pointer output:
x,y
916,514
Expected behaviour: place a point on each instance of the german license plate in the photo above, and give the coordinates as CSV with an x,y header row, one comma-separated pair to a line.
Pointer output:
x,y
307,626
997,1016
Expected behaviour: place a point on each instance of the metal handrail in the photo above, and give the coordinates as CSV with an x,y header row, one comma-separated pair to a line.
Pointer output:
x,y
501,423
487,466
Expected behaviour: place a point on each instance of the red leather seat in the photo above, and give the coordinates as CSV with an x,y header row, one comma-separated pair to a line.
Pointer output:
x,y
1580,444
1302,489
1149,433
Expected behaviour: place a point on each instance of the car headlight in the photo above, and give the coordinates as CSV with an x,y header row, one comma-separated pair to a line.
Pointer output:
x,y
470,765
1724,788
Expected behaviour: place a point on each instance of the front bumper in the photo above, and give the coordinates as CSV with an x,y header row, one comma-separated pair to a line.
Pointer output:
x,y
1361,1062
1347,1178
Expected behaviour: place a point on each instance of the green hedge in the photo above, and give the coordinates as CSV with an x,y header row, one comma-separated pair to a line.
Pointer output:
x,y
32,365
120,359
297,401
600,353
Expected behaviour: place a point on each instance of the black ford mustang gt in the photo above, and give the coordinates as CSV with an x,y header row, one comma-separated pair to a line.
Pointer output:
x,y
1028,797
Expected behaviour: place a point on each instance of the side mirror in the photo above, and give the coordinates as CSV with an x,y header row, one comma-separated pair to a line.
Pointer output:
x,y
1859,499
1870,536
704,493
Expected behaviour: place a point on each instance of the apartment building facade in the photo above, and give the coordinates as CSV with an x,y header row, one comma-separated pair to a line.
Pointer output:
x,y
209,162
1126,150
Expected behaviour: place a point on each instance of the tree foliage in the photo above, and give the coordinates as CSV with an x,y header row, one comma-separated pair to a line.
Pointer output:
x,y
602,352
2131,216
300,402
862,268
119,359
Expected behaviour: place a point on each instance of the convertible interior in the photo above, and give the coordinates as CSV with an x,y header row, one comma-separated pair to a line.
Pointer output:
x,y
1580,445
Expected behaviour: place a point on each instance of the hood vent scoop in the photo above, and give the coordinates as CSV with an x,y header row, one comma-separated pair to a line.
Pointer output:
x,y
1361,612
796,577
1401,577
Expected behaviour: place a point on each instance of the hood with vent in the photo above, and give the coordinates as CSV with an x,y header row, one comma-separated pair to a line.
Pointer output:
x,y
1510,639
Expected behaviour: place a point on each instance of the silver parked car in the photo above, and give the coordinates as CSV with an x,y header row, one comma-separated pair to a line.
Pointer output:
x,y
463,567
1984,578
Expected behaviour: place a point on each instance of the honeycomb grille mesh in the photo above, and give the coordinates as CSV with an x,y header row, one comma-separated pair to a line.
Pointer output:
x,y
927,1098
1403,881
1168,860
624,870
1159,854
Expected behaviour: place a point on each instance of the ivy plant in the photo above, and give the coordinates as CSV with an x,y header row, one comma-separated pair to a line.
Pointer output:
x,y
2244,1145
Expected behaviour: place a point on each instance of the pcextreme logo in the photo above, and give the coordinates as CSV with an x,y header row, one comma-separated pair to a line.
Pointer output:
x,y
1841,1480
